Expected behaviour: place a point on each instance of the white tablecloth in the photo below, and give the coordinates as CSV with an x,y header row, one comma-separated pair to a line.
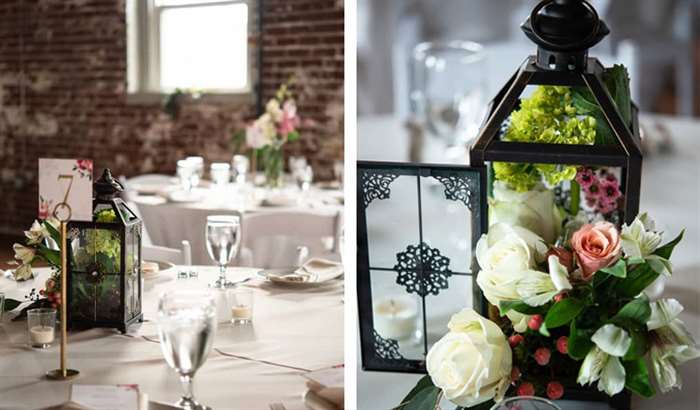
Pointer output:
x,y
169,223
670,193
292,331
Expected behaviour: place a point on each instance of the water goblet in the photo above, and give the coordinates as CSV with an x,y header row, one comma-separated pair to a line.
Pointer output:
x,y
184,173
304,177
220,173
525,403
223,234
186,328
198,165
241,163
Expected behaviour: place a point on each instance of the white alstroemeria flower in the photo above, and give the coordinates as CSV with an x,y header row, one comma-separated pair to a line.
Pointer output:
x,y
537,288
639,240
672,344
36,233
519,320
23,253
24,272
602,363
501,287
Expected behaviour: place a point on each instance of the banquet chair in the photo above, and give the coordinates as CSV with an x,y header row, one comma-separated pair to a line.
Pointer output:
x,y
182,256
271,240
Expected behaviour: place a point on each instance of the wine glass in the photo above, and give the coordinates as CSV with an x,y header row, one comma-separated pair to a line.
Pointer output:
x,y
448,87
241,163
525,403
198,166
184,171
223,238
186,328
220,173
304,176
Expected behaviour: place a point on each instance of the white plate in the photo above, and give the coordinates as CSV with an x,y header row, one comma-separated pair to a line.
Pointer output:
x,y
163,267
273,276
196,195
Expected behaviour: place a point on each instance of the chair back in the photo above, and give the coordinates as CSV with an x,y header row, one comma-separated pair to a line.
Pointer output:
x,y
182,256
271,240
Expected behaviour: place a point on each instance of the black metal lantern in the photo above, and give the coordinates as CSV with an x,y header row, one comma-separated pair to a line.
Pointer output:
x,y
425,266
104,281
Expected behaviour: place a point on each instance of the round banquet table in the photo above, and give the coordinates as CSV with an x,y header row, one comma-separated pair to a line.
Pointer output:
x,y
169,223
249,367
670,194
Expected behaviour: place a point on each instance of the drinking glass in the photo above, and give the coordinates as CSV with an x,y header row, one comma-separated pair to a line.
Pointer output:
x,y
198,165
223,238
186,328
241,163
220,173
304,177
297,163
448,88
41,325
184,171
240,301
525,403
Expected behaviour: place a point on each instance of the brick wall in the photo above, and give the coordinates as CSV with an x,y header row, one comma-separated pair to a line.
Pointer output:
x,y
71,57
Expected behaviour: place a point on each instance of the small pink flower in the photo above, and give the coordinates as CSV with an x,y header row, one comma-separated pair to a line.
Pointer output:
x,y
596,246
585,177
289,121
610,190
542,356
526,389
605,206
555,390
608,176
593,190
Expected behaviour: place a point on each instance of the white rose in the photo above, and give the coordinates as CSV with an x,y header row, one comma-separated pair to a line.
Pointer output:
x,y
471,363
510,248
534,210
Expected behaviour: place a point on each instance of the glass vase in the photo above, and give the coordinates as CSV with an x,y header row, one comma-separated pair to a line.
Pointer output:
x,y
273,164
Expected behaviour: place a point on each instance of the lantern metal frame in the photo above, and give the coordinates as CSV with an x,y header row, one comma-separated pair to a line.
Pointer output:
x,y
120,226
376,177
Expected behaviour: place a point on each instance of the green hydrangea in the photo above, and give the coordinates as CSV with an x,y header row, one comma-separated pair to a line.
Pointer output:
x,y
547,117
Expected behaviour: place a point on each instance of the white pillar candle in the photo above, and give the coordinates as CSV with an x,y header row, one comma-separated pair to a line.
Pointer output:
x,y
395,317
41,335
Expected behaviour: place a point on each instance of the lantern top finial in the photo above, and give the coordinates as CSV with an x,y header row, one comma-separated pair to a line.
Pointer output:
x,y
564,30
107,187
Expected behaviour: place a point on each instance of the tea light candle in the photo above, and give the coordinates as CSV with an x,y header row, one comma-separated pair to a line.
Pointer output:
x,y
241,313
41,335
395,317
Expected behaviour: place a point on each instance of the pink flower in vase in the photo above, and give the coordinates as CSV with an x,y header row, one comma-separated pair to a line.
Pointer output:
x,y
596,246
289,121
585,177
593,190
610,190
605,206
84,165
44,209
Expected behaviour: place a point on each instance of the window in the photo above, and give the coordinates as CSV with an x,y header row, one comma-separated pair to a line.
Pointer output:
x,y
188,44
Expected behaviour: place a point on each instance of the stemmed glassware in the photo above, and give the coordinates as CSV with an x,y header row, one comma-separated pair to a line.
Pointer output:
x,y
525,403
185,171
186,328
198,170
223,234
241,163
304,176
220,173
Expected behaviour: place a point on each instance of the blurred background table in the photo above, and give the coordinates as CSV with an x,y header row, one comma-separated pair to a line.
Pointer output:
x,y
670,193
249,367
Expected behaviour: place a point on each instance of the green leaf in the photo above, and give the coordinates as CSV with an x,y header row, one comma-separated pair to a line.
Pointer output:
x,y
637,378
617,82
618,270
423,383
666,250
639,346
563,312
636,312
579,343
51,256
53,232
426,399
10,304
575,194
521,307
293,136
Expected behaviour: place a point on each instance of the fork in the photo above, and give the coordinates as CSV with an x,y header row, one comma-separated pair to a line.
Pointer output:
x,y
277,406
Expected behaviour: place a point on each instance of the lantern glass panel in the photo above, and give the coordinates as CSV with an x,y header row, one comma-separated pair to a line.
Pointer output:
x,y
95,275
397,317
440,308
393,222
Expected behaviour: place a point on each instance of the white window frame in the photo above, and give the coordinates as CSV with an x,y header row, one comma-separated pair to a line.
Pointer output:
x,y
143,54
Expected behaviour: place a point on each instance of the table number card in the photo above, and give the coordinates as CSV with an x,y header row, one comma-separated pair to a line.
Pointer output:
x,y
65,189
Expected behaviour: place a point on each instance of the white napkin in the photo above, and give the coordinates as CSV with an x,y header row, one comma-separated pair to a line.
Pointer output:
x,y
326,391
319,270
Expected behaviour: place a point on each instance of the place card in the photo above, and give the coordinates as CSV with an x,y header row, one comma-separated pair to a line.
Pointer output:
x,y
65,189
106,397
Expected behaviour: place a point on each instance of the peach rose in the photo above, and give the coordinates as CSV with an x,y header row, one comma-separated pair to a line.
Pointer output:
x,y
596,246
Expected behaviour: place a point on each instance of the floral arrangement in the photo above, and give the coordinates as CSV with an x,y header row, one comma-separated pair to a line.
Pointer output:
x,y
574,313
564,277
268,134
